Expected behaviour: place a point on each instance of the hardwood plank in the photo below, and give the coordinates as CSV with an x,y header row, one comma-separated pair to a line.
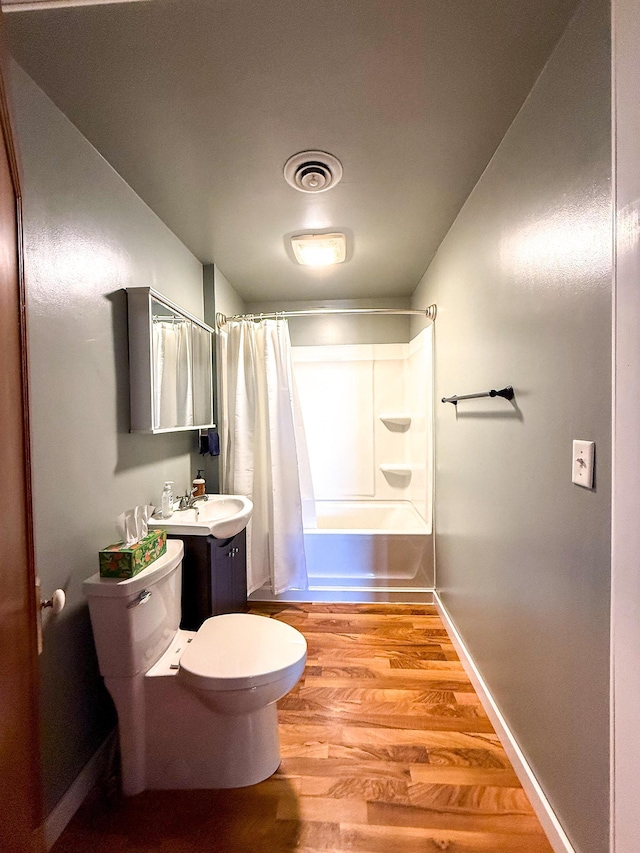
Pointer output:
x,y
365,788
385,720
424,817
357,735
381,609
470,799
347,766
414,680
372,695
382,839
464,698
475,757
296,749
370,667
318,808
392,753
443,774
428,660
373,637
329,655
360,616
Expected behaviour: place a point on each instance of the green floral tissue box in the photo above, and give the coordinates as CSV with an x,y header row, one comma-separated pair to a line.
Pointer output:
x,y
116,561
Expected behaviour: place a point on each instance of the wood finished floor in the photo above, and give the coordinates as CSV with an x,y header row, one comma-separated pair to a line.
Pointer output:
x,y
385,746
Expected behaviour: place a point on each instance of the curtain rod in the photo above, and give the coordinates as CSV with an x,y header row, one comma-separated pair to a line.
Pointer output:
x,y
429,313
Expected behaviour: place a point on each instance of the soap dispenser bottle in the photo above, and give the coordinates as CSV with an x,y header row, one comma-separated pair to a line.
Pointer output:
x,y
199,485
167,499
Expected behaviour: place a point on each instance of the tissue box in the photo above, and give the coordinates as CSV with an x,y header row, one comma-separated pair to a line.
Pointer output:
x,y
116,561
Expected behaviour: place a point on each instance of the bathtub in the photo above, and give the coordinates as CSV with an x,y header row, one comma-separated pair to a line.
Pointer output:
x,y
360,544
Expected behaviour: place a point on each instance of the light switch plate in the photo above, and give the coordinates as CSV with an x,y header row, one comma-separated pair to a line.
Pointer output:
x,y
582,463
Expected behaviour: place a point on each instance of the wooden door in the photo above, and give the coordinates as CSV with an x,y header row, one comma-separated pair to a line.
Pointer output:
x,y
20,794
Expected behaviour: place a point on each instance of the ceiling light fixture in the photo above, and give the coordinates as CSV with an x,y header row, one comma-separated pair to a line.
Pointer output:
x,y
319,250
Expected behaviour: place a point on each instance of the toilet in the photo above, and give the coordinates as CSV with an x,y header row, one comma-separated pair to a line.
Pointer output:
x,y
196,709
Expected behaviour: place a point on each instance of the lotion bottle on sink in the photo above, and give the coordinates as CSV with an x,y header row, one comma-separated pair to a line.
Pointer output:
x,y
199,485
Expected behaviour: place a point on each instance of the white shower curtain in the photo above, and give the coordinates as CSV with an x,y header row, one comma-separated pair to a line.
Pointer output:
x,y
173,394
264,454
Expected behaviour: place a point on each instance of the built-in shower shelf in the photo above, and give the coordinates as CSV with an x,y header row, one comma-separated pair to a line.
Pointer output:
x,y
399,470
396,419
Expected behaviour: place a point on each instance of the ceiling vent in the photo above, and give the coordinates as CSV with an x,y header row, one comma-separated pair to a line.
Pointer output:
x,y
313,171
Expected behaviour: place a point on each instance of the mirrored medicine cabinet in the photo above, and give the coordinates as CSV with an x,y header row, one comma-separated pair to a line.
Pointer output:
x,y
170,365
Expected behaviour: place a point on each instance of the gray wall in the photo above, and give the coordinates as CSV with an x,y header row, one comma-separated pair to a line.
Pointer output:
x,y
523,287
332,330
87,235
227,299
219,296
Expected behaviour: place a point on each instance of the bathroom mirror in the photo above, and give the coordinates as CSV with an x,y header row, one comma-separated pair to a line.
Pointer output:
x,y
170,363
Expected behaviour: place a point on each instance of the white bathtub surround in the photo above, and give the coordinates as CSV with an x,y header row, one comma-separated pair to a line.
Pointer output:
x,y
336,395
381,516
367,411
420,433
264,454
368,544
366,551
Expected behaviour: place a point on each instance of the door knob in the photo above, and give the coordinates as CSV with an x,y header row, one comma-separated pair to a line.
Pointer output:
x,y
56,602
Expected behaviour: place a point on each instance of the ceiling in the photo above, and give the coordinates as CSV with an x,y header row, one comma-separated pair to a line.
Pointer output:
x,y
199,103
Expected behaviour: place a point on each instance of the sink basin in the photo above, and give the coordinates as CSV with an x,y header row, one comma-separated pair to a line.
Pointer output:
x,y
221,516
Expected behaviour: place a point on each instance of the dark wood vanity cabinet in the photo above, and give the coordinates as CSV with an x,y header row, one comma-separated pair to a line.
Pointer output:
x,y
214,578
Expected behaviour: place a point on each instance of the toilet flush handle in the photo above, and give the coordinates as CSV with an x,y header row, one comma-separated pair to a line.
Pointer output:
x,y
142,598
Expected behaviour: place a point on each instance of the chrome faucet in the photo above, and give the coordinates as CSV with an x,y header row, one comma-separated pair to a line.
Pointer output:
x,y
188,500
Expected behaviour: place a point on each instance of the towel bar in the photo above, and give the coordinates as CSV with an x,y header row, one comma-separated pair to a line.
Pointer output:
x,y
507,393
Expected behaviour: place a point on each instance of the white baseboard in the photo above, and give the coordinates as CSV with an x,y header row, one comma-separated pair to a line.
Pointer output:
x,y
65,809
547,817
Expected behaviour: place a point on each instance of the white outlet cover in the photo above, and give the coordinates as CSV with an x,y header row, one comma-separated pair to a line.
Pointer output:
x,y
582,463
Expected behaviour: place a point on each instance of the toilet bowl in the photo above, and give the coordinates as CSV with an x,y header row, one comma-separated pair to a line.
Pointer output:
x,y
195,709
238,663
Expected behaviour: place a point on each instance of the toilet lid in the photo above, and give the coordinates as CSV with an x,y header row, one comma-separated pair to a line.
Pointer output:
x,y
240,650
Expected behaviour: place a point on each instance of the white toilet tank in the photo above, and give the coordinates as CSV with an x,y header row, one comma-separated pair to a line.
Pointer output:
x,y
134,620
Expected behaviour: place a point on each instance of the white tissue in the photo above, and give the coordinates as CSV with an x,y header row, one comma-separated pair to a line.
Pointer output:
x,y
132,525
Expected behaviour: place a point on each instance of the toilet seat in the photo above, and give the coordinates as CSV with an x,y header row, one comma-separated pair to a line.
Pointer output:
x,y
237,651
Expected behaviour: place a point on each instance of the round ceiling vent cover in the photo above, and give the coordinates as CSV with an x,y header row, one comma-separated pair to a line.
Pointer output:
x,y
313,171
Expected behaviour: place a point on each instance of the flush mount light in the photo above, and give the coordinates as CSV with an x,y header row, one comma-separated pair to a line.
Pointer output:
x,y
319,250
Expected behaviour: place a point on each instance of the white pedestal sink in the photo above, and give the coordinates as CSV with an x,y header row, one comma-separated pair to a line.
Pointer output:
x,y
221,516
